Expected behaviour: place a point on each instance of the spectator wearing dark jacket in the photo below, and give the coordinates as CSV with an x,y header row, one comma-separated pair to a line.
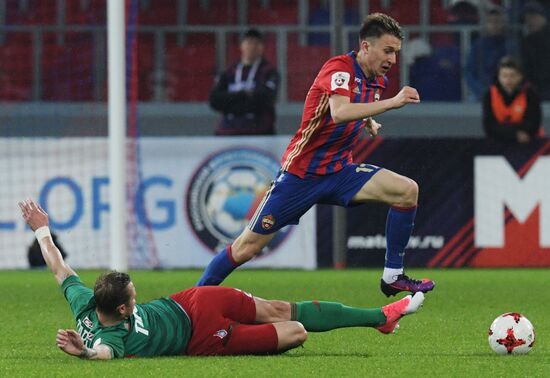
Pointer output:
x,y
511,108
486,52
246,92
536,48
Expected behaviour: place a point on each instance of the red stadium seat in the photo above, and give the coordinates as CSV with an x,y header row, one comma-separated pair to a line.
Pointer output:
x,y
203,56
405,12
16,71
220,12
163,12
189,72
200,39
91,12
67,70
304,63
438,13
37,12
277,12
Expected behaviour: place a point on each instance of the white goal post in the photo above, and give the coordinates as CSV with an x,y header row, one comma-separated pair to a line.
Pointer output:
x,y
116,36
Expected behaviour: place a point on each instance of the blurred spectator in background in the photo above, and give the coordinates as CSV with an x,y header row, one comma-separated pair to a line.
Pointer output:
x,y
246,92
486,52
511,108
536,48
34,254
458,13
463,13
436,72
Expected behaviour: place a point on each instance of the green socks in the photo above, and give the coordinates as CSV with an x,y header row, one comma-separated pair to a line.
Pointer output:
x,y
324,316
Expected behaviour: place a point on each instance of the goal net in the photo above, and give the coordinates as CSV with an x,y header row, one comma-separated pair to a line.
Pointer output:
x,y
54,134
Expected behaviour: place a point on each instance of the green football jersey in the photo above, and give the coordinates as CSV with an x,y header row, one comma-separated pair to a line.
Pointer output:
x,y
157,328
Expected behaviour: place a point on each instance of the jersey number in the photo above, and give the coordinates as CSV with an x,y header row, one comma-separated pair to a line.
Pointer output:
x,y
139,323
365,168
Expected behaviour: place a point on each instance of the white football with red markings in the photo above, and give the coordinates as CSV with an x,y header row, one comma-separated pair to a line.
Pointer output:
x,y
511,333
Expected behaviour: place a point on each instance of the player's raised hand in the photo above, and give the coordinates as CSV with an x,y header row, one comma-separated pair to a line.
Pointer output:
x,y
33,214
69,341
372,127
407,95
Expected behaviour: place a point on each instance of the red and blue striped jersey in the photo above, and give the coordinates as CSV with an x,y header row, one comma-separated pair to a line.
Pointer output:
x,y
320,146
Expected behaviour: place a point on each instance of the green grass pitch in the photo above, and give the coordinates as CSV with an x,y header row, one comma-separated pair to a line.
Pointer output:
x,y
447,338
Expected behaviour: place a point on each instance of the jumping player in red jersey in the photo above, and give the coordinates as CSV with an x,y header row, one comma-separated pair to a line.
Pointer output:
x,y
317,166
198,321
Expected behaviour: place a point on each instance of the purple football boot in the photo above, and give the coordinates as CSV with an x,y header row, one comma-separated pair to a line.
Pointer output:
x,y
404,283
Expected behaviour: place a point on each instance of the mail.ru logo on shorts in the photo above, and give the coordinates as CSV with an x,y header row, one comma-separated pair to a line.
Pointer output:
x,y
224,193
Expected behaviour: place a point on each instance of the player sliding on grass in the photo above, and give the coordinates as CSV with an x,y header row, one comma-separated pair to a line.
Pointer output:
x,y
317,166
196,321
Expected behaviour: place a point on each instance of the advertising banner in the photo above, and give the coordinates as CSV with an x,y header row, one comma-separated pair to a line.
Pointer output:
x,y
196,195
481,204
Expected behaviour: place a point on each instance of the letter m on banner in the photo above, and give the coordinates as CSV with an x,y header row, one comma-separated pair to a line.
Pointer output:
x,y
497,186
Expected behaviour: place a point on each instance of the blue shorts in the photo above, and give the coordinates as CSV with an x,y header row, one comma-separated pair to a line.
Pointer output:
x,y
290,197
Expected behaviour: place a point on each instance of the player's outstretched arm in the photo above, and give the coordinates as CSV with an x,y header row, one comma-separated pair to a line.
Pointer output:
x,y
342,110
37,219
70,342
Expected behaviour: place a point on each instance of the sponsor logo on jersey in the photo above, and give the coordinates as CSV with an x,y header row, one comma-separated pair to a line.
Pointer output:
x,y
357,80
88,323
85,331
225,192
268,222
340,80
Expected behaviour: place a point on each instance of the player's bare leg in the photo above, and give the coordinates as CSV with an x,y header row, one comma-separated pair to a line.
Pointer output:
x,y
389,187
248,245
245,247
272,311
290,334
401,193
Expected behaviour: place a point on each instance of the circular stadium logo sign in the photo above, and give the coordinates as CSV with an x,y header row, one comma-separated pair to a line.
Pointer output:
x,y
224,193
